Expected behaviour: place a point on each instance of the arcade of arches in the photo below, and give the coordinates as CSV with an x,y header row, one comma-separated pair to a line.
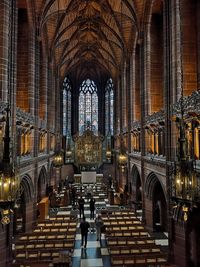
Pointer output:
x,y
97,79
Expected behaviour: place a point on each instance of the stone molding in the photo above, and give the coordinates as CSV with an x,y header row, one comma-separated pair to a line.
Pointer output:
x,y
189,105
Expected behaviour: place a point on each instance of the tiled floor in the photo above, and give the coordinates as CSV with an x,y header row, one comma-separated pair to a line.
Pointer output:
x,y
96,254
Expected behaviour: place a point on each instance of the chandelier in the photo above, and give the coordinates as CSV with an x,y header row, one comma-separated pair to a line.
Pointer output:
x,y
108,155
69,152
123,160
108,147
58,159
122,157
9,180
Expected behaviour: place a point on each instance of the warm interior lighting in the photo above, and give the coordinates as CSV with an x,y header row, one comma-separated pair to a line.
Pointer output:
x,y
108,154
185,182
58,159
68,154
122,159
9,180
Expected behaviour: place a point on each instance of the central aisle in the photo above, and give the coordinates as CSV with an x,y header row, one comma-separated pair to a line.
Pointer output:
x,y
96,254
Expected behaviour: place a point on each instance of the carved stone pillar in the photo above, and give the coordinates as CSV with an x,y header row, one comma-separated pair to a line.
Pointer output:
x,y
4,48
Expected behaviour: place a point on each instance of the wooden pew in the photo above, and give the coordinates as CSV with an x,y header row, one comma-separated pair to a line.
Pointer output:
x,y
37,255
134,250
125,228
126,233
46,236
39,244
141,260
54,228
67,218
125,241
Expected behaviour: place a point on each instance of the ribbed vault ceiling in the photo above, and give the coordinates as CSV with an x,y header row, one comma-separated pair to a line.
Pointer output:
x,y
89,38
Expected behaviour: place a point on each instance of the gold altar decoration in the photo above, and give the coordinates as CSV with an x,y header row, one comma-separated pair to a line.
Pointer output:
x,y
88,148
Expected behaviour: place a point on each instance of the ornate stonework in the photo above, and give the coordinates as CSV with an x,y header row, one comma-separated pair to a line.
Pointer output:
x,y
190,105
88,149
24,117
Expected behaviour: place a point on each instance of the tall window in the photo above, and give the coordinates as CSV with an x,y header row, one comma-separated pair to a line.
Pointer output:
x,y
109,109
88,106
66,107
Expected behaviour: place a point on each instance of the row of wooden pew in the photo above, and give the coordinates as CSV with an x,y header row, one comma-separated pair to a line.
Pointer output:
x,y
139,260
29,256
49,240
46,236
130,244
59,223
40,244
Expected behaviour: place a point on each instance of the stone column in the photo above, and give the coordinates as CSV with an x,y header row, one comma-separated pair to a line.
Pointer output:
x,y
31,71
43,87
132,87
143,113
146,71
124,96
4,47
129,113
198,44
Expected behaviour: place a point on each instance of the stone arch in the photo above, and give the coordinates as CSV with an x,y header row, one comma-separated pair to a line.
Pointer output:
x,y
27,187
136,186
157,204
52,179
23,204
150,183
42,184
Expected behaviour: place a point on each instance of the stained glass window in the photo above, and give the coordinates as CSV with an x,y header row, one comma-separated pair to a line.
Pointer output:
x,y
66,107
88,106
109,108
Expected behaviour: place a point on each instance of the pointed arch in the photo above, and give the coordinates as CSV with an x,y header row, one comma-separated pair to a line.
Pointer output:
x,y
43,175
134,175
151,181
42,184
27,187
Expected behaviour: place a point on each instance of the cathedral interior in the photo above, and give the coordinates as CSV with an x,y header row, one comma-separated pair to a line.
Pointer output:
x,y
100,93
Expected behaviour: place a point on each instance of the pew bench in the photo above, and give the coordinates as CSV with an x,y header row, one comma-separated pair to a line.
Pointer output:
x,y
28,257
121,221
134,250
158,260
125,228
46,236
53,228
58,223
37,244
124,241
126,233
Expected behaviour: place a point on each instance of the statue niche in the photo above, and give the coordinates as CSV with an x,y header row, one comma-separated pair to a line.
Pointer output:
x,y
88,149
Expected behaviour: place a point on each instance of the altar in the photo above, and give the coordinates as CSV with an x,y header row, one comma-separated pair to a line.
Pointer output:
x,y
88,177
88,152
